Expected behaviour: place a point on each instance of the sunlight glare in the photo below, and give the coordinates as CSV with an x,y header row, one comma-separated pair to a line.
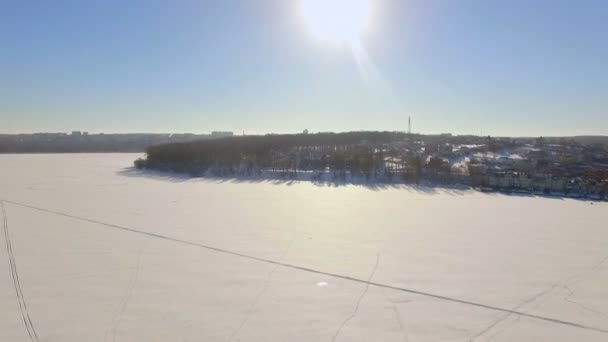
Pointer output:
x,y
336,21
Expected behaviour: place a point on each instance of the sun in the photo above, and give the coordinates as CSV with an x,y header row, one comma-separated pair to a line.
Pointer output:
x,y
336,21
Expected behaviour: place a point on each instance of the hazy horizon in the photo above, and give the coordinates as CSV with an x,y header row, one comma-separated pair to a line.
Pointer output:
x,y
499,68
237,133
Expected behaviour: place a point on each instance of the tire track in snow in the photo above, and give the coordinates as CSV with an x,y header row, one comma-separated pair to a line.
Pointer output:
x,y
27,320
325,273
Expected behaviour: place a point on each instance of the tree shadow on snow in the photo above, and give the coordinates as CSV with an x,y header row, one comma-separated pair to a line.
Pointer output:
x,y
373,185
427,188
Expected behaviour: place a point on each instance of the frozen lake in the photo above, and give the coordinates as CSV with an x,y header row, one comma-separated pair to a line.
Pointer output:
x,y
92,250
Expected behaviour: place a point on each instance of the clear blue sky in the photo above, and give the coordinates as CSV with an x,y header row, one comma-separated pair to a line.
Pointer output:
x,y
504,67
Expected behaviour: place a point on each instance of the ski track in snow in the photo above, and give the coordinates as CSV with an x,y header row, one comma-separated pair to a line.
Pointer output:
x,y
358,301
119,316
564,284
27,320
262,291
367,282
397,314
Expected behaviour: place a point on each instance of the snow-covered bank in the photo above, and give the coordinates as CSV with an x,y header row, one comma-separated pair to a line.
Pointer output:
x,y
92,280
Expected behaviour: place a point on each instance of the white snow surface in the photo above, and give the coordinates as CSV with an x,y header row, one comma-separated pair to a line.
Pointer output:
x,y
102,252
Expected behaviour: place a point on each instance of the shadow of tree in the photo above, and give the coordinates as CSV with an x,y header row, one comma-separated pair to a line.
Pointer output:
x,y
374,185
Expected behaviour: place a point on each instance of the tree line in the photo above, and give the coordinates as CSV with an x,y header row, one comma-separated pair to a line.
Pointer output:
x,y
365,154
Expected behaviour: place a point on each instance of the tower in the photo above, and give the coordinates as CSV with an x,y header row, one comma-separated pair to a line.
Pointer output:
x,y
409,125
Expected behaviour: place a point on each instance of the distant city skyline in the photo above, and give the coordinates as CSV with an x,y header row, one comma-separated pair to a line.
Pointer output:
x,y
304,131
500,68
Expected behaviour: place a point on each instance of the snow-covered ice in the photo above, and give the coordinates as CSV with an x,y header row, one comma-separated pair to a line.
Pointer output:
x,y
105,253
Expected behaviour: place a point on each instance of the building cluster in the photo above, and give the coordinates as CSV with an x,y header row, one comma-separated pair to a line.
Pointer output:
x,y
550,166
561,167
